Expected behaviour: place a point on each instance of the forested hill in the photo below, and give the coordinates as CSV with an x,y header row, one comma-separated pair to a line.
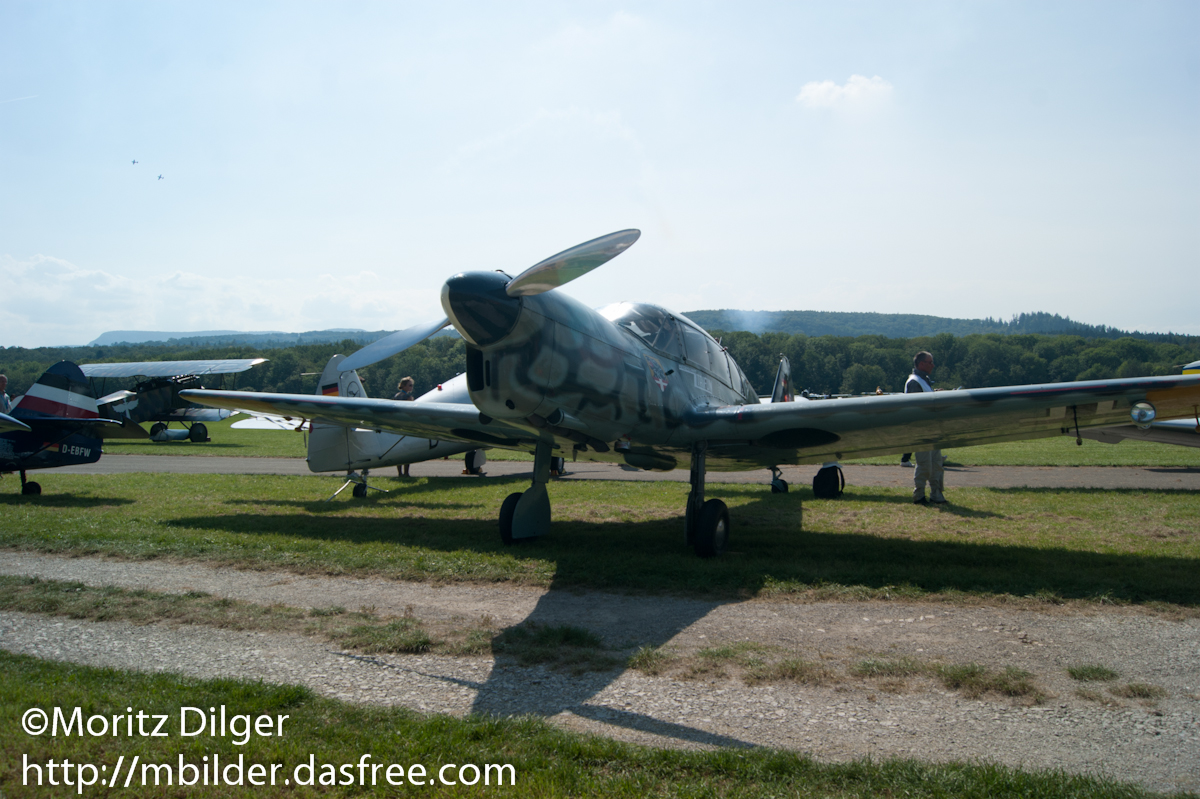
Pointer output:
x,y
822,364
829,323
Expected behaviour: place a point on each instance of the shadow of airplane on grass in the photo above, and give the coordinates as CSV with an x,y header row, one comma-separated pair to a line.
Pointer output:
x,y
62,501
649,557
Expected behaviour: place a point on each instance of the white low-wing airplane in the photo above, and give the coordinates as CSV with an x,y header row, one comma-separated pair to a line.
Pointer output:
x,y
334,447
637,384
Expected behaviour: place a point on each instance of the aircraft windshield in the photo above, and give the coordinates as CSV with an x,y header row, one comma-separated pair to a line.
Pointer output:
x,y
653,325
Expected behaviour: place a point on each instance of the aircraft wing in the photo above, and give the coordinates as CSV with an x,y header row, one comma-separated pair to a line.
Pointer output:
x,y
225,366
1180,432
434,420
824,430
9,424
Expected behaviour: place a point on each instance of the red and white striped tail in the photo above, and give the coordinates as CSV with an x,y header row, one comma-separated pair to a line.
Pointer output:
x,y
61,392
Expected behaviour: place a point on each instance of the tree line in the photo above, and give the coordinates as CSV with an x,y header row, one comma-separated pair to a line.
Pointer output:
x,y
820,364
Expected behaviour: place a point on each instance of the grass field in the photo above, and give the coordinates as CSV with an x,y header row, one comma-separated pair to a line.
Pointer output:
x,y
1017,546
1048,545
544,761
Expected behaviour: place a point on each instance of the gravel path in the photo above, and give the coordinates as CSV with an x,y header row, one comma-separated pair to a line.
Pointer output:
x,y
1156,744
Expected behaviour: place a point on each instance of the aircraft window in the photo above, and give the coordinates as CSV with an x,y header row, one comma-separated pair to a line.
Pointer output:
x,y
649,323
695,345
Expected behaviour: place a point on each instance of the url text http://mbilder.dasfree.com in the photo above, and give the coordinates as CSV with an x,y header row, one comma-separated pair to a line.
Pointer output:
x,y
217,769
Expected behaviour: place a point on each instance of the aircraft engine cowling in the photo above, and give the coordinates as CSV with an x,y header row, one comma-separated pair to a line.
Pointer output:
x,y
479,308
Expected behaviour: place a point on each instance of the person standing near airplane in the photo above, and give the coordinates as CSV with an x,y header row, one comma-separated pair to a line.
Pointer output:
x,y
930,464
404,393
5,403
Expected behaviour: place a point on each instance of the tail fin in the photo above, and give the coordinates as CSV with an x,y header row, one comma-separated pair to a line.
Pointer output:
x,y
783,382
336,383
332,447
61,393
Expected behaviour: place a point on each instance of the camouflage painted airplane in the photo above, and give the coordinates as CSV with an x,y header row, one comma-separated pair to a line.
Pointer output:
x,y
634,383
56,423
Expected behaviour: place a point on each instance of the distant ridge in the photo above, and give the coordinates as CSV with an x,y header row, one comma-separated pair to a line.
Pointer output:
x,y
833,323
219,338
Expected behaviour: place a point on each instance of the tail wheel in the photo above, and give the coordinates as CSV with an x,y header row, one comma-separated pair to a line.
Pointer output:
x,y
359,490
507,511
712,529
31,488
779,486
198,434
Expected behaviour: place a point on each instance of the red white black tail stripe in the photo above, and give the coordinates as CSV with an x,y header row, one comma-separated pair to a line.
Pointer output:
x,y
62,392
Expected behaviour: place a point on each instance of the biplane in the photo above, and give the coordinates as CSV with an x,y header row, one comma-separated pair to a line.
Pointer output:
x,y
155,398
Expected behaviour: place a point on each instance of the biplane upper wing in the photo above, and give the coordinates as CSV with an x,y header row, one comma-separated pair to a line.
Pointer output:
x,y
436,420
225,366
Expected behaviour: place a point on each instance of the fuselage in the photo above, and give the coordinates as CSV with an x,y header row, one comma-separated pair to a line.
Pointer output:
x,y
624,375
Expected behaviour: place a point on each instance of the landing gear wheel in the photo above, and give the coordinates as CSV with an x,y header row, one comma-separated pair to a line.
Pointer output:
x,y
779,486
507,511
359,491
157,428
558,465
31,489
198,434
473,461
712,529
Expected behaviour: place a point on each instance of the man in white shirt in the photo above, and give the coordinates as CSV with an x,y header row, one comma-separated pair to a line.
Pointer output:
x,y
5,405
929,464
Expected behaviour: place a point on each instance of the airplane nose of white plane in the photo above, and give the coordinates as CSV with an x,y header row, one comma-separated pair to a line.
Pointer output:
x,y
479,307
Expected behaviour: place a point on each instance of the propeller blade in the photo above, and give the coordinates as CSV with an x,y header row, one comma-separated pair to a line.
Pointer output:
x,y
392,344
559,270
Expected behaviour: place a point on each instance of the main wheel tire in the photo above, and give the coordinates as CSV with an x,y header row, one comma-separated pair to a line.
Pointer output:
x,y
359,490
712,529
779,486
198,434
157,428
558,465
31,488
507,511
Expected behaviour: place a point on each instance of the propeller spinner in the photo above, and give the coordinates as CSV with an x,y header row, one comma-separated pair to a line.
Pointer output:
x,y
483,305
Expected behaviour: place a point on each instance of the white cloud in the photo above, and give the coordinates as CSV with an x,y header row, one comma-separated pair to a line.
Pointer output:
x,y
50,301
858,91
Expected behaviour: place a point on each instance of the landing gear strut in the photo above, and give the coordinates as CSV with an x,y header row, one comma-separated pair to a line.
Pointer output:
x,y
707,523
527,514
359,481
28,487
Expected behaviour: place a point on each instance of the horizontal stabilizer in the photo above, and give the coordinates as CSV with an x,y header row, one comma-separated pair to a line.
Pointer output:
x,y
9,424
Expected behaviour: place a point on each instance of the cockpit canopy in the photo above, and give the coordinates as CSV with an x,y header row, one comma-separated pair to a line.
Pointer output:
x,y
679,338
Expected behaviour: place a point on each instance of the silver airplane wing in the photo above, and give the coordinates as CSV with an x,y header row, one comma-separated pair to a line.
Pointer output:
x,y
224,366
437,420
820,430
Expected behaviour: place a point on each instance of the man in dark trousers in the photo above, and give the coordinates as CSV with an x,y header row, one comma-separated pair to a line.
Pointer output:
x,y
929,464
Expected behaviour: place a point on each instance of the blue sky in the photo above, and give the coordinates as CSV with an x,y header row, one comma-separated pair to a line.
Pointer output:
x,y
330,164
